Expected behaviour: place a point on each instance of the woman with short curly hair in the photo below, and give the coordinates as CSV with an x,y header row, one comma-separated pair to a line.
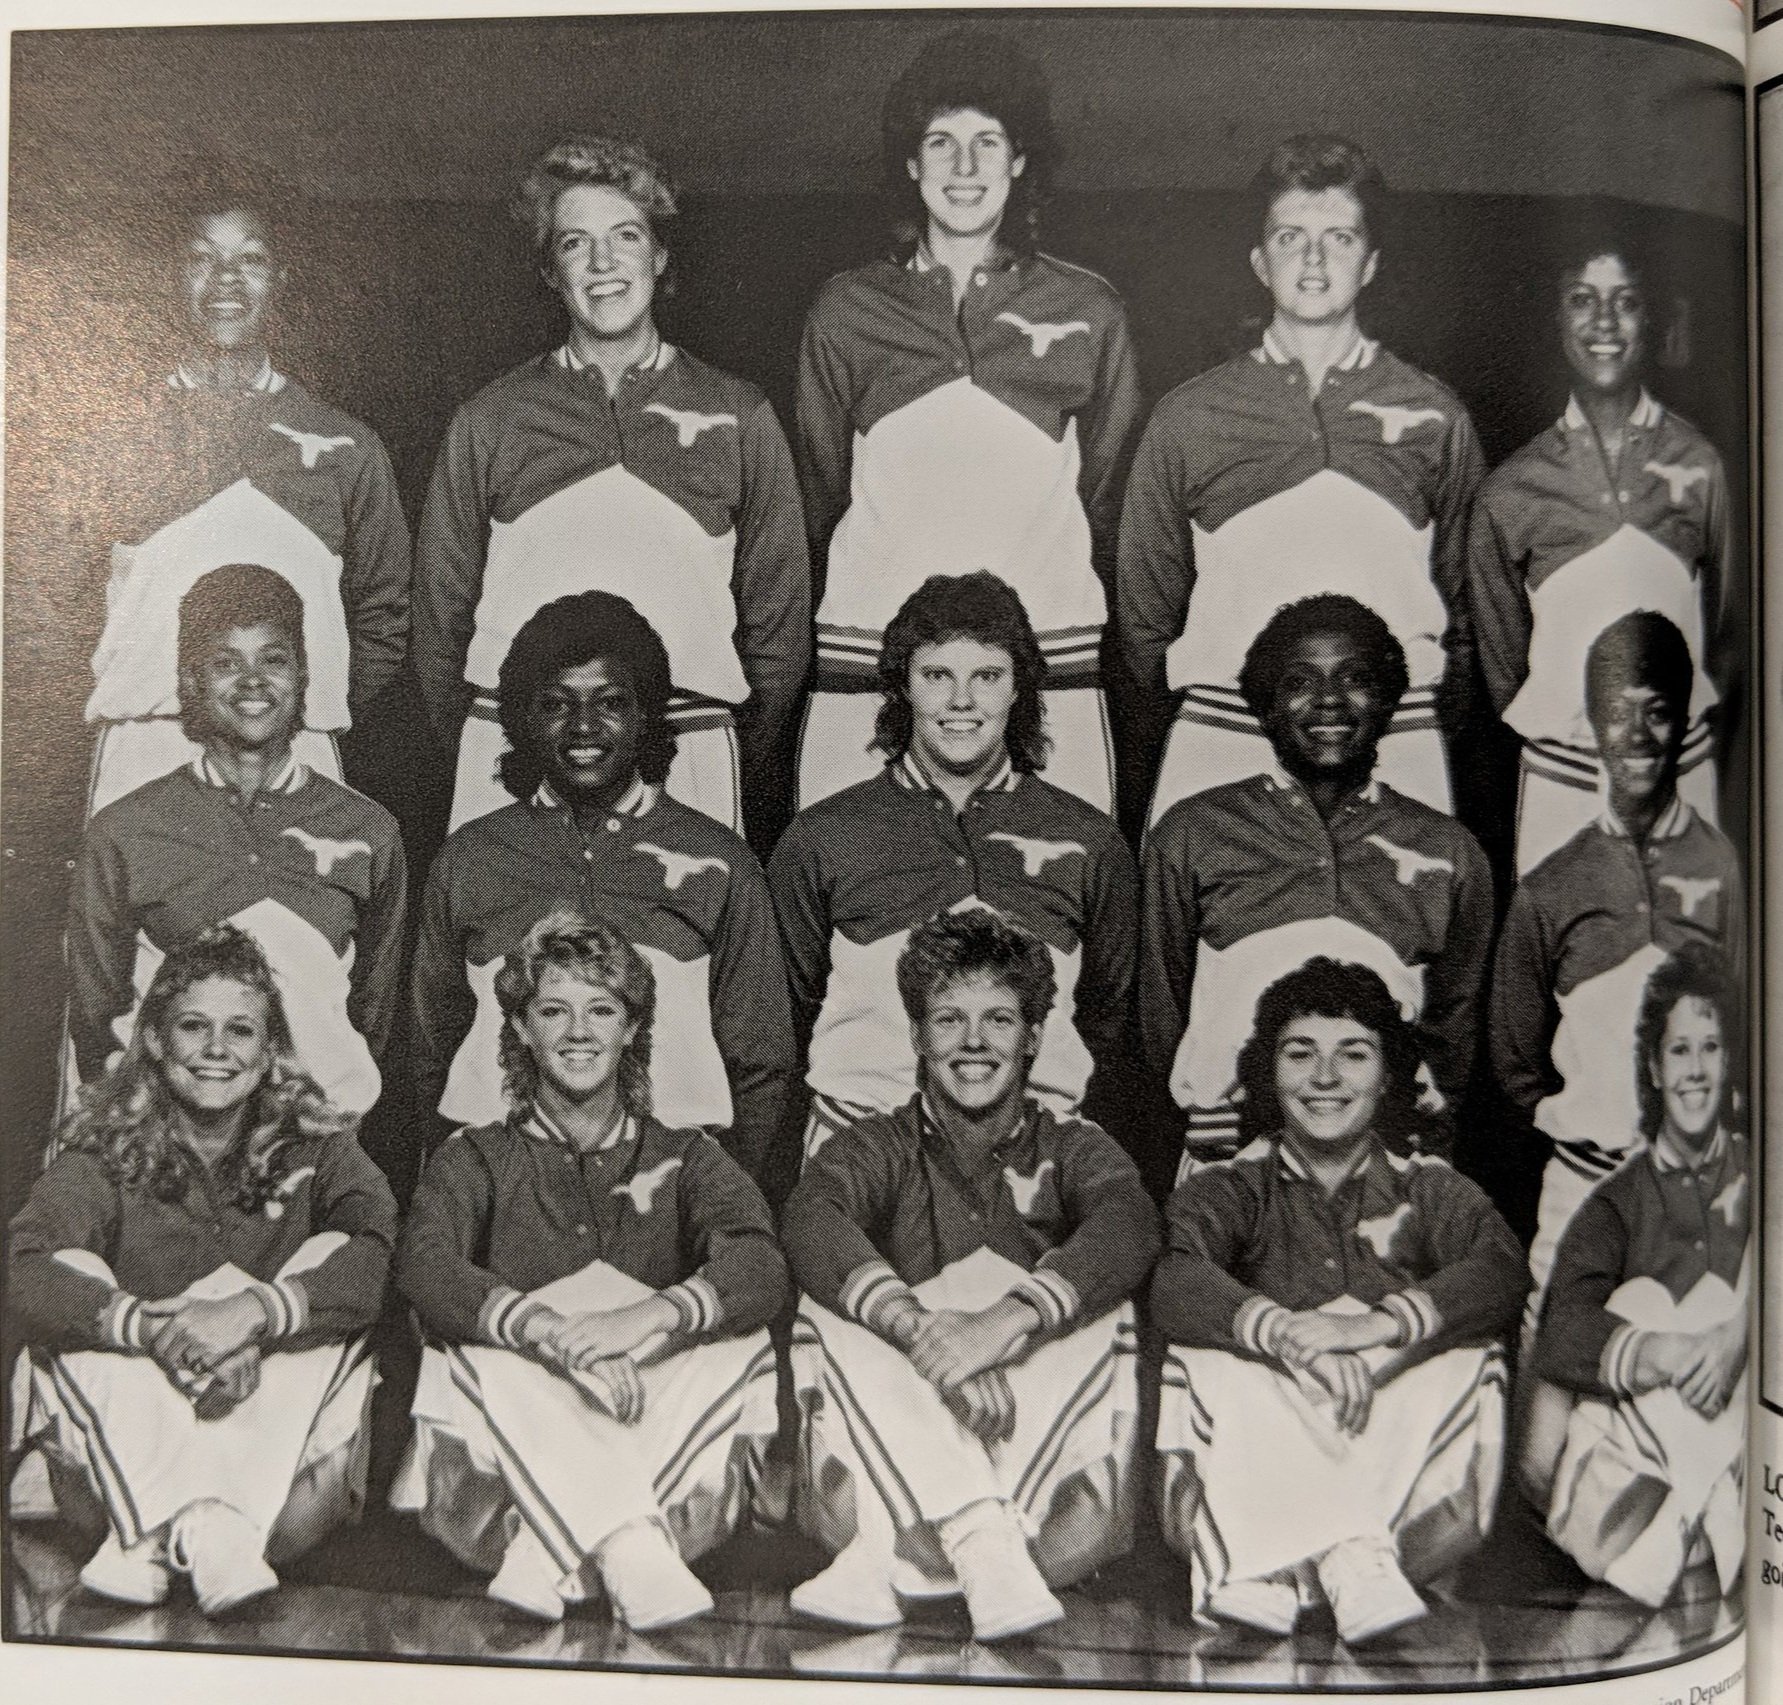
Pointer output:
x,y
1332,1420
619,462
191,1277
1644,1327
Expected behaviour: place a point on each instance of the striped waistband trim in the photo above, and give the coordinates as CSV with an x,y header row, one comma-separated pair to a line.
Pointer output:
x,y
1590,1160
1211,1134
688,714
1224,707
1575,766
848,658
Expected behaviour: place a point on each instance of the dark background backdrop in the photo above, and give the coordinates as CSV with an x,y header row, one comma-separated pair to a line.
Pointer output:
x,y
387,151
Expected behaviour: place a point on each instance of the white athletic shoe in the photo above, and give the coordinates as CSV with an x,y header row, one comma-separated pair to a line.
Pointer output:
x,y
527,1579
1004,1590
648,1583
136,1576
1269,1604
1369,1593
219,1548
855,1590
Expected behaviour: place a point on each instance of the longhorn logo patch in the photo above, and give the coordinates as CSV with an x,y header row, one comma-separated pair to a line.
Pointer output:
x,y
1036,855
1679,477
325,852
677,867
1043,334
642,1187
275,1203
1379,1232
1732,1198
689,423
1395,421
1408,863
311,446
1024,1189
1691,891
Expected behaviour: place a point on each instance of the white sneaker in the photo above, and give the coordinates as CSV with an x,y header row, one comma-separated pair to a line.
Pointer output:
x,y
648,1583
1004,1590
527,1579
136,1576
1269,1604
855,1590
1369,1593
226,1558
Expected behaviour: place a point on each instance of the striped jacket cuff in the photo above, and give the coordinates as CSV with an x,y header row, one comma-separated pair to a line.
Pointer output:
x,y
121,1324
1616,1365
287,1307
1254,1322
696,1304
503,1313
871,1291
1414,1315
1053,1297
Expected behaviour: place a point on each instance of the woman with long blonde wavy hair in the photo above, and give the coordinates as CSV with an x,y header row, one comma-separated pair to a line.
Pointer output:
x,y
192,1278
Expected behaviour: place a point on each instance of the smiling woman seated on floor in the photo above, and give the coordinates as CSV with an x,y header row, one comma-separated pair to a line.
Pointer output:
x,y
193,1276
1332,1417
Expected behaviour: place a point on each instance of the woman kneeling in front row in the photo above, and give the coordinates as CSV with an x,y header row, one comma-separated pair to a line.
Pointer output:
x,y
1332,1417
192,1276
598,1383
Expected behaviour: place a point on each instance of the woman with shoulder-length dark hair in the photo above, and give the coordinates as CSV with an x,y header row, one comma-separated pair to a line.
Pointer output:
x,y
964,403
191,1278
1645,1321
595,1289
1333,1402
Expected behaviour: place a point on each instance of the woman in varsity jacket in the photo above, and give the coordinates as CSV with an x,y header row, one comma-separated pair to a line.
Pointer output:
x,y
621,463
1645,1319
964,403
595,1290
1332,1418
228,460
1620,505
192,1278
965,1352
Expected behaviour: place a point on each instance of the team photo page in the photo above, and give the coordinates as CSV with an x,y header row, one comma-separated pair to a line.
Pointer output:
x,y
906,845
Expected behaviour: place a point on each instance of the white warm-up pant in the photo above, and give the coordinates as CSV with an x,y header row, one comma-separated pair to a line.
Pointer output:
x,y
835,744
128,754
884,1457
706,773
500,1439
1258,1478
1542,1409
1641,1480
1558,794
113,1428
1200,754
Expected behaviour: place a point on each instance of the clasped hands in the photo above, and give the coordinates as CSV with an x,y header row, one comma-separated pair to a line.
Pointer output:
x,y
602,1351
1326,1349
962,1353
1702,1367
208,1347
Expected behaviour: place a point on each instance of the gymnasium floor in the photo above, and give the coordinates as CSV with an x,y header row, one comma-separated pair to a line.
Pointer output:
x,y
1519,1612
